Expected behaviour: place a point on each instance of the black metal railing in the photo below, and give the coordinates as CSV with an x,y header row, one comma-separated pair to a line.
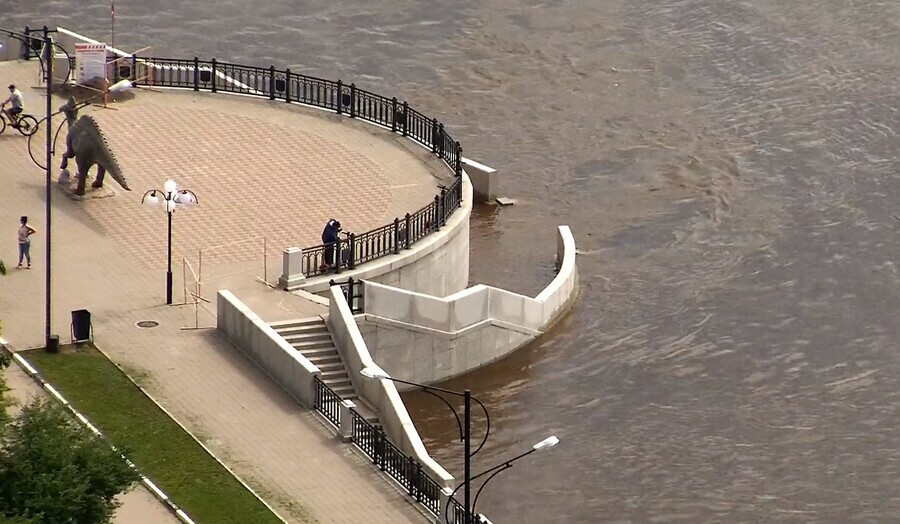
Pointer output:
x,y
327,402
353,293
276,84
385,455
287,86
405,470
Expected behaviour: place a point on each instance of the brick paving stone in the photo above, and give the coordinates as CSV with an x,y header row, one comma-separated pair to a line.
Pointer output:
x,y
260,169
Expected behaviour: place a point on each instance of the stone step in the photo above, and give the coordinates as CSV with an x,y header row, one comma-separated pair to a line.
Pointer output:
x,y
324,363
299,322
303,347
366,412
346,392
302,330
323,336
328,366
332,375
338,383
329,351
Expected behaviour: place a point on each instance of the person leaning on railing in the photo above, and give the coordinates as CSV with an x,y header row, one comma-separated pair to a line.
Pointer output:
x,y
330,236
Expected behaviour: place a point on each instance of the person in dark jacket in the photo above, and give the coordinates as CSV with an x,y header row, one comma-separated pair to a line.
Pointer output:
x,y
330,235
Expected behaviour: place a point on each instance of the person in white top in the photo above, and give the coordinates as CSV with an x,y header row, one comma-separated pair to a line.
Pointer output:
x,y
25,232
15,100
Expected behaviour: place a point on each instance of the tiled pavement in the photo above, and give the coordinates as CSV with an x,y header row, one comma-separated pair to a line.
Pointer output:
x,y
260,169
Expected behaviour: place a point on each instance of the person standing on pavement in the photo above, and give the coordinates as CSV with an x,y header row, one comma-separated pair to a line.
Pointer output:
x,y
25,232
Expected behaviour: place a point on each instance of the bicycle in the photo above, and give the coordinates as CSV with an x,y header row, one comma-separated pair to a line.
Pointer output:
x,y
27,124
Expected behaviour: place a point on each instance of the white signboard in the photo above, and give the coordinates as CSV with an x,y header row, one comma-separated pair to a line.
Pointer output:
x,y
90,63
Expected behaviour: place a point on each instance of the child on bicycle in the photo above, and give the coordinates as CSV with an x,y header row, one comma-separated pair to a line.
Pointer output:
x,y
15,99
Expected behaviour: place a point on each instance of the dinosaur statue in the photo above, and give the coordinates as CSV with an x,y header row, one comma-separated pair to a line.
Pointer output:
x,y
86,143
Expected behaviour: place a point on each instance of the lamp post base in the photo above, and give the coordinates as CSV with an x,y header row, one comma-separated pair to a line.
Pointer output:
x,y
168,287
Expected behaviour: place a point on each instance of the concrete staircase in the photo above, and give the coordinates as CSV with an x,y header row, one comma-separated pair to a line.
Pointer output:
x,y
310,336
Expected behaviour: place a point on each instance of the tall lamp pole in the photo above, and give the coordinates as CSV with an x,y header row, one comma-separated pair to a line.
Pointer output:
x,y
547,443
465,429
48,53
48,48
172,196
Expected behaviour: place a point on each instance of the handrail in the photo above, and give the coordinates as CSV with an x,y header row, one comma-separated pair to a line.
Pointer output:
x,y
287,86
327,402
404,469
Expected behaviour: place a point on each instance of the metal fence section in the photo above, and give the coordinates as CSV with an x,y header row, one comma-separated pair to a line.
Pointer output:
x,y
327,402
344,99
353,293
405,470
372,441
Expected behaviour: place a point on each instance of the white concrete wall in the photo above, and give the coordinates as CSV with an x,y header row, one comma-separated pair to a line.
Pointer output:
x,y
262,344
438,264
381,394
422,338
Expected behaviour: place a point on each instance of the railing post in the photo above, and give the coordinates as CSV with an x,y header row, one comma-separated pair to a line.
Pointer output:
x,y
377,448
441,140
443,206
134,76
458,159
346,427
287,85
437,214
408,230
26,51
352,100
196,74
271,82
340,92
212,77
348,292
417,481
351,262
396,235
405,118
394,114
337,255
434,135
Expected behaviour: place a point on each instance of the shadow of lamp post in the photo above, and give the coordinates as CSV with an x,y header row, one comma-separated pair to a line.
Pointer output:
x,y
172,197
465,429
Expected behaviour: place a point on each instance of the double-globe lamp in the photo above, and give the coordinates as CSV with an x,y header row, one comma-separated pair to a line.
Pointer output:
x,y
172,197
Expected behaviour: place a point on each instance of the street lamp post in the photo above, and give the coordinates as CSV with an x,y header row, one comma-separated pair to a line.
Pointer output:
x,y
465,429
172,196
47,54
48,46
547,443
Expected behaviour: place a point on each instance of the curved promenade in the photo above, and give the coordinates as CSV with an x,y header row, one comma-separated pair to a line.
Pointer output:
x,y
109,258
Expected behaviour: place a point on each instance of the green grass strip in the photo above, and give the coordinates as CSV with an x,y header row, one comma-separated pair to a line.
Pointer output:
x,y
154,442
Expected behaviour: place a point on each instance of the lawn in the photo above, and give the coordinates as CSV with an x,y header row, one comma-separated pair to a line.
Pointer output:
x,y
154,442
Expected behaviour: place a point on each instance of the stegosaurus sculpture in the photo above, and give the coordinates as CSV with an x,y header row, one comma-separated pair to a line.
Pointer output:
x,y
86,143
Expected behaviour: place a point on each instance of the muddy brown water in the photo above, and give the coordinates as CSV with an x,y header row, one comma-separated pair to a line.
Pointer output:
x,y
730,170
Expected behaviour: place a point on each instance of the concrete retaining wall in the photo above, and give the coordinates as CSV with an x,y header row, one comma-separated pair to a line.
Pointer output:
x,y
258,341
381,394
437,264
423,338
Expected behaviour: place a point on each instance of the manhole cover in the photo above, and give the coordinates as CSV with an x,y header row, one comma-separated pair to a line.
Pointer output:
x,y
146,324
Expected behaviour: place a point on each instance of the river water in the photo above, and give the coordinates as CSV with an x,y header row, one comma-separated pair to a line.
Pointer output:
x,y
729,169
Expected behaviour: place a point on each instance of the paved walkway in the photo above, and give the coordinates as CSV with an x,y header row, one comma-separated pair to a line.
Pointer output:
x,y
260,169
